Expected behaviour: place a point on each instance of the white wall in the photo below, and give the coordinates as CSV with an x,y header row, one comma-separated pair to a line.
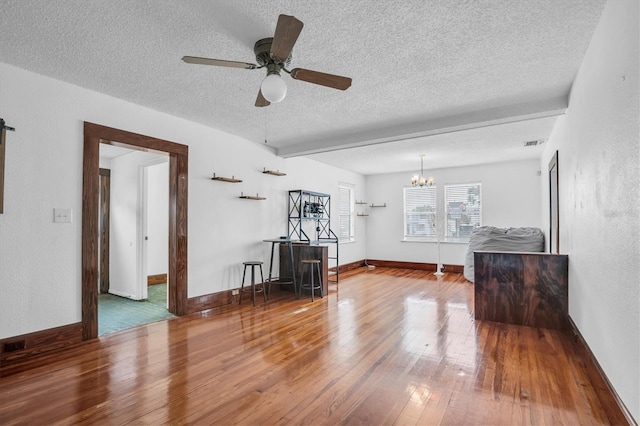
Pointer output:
x,y
599,179
510,198
40,283
158,219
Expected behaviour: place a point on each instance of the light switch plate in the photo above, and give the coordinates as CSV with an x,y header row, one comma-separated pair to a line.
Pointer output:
x,y
62,215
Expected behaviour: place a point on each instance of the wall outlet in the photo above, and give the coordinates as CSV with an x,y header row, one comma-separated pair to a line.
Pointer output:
x,y
62,215
235,292
14,346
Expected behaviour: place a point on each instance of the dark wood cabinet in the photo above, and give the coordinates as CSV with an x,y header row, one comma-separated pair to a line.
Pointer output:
x,y
302,251
522,288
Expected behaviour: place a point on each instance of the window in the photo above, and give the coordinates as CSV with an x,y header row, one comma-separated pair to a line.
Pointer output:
x,y
463,210
345,213
420,213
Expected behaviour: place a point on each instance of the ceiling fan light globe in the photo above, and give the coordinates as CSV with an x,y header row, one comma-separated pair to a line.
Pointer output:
x,y
273,88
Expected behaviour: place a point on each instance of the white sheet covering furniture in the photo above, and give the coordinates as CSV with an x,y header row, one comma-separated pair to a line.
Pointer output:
x,y
490,238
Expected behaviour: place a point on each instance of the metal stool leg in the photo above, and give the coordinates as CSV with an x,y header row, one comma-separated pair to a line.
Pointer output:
x,y
319,279
264,290
253,284
312,285
242,286
300,283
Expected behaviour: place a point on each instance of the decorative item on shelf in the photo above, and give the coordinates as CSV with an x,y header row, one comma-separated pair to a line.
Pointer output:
x,y
313,209
378,205
273,172
251,197
421,180
232,179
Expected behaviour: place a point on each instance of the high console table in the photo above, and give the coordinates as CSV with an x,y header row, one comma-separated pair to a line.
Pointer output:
x,y
528,289
303,251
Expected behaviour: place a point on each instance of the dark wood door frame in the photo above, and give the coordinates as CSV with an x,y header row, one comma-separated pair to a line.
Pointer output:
x,y
105,213
95,134
554,206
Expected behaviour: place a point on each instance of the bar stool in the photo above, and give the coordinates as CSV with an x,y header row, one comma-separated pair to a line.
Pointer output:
x,y
311,285
253,264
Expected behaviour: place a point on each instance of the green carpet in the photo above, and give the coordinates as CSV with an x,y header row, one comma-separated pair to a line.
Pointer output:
x,y
118,313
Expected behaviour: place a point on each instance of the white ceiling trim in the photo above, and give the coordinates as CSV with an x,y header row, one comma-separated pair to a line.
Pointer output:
x,y
449,124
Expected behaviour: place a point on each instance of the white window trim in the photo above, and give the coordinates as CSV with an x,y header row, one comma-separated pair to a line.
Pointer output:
x,y
352,213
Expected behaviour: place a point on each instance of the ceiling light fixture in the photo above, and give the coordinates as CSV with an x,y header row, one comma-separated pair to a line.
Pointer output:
x,y
421,180
273,87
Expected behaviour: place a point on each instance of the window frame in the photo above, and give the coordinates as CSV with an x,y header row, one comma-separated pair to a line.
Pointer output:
x,y
351,214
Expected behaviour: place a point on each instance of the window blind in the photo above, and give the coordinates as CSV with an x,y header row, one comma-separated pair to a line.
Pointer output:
x,y
463,210
420,213
345,213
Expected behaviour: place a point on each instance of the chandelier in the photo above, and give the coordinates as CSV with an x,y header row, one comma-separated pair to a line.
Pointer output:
x,y
421,180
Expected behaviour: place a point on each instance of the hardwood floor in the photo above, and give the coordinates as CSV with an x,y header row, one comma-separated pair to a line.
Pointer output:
x,y
393,346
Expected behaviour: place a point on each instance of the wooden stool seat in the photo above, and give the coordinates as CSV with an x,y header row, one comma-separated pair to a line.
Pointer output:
x,y
311,285
253,264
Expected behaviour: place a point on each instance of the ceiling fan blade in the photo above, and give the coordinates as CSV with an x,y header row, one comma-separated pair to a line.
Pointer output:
x,y
323,79
218,62
261,101
287,31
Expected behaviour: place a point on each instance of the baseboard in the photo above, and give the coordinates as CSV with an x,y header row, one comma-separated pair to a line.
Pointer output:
x,y
156,279
210,301
40,342
349,266
122,294
599,379
414,265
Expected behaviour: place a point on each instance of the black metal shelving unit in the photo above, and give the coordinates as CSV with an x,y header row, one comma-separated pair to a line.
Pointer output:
x,y
310,214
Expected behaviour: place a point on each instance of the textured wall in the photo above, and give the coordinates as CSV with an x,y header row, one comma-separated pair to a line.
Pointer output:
x,y
510,198
40,260
599,180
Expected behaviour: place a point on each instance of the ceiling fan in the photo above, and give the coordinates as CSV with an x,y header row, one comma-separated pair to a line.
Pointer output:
x,y
274,54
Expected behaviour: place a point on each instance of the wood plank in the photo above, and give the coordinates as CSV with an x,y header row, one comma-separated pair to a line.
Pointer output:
x,y
393,346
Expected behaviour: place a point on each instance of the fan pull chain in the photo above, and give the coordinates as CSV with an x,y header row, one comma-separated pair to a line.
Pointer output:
x,y
265,125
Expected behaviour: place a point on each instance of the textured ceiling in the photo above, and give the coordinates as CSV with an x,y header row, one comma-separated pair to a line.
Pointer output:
x,y
420,69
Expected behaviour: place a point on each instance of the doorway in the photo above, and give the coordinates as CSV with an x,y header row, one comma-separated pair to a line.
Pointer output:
x,y
133,238
94,135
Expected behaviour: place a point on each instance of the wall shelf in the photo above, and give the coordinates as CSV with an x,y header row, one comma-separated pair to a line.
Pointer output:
x,y
251,197
378,205
232,179
361,202
273,172
362,215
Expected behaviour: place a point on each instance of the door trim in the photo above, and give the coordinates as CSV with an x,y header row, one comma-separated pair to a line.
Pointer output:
x,y
105,203
94,134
